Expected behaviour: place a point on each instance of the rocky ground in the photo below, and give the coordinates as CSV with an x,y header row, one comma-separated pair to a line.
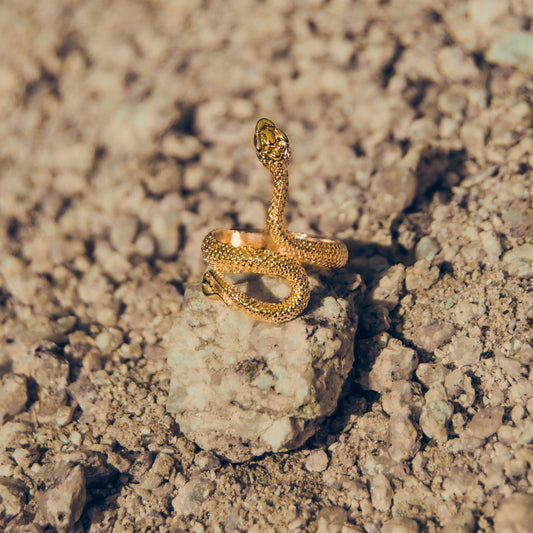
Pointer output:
x,y
126,135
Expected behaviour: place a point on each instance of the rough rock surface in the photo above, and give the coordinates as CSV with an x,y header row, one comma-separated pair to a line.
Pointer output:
x,y
241,388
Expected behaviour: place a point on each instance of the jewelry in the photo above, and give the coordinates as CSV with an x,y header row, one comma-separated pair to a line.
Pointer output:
x,y
275,251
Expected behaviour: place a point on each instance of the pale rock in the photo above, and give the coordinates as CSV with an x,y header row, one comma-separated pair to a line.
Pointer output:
x,y
184,147
484,12
14,435
515,514
123,232
164,223
62,499
380,492
21,282
395,186
485,422
241,387
426,248
317,461
77,156
491,244
517,413
111,261
447,128
109,340
436,393
464,444
12,496
519,261
43,328
451,102
465,351
403,436
192,495
402,394
145,244
389,286
473,136
464,312
94,286
430,373
455,65
433,335
512,49
395,363
13,395
331,519
158,473
206,461
459,481
458,423
434,419
459,388
462,522
400,525
421,276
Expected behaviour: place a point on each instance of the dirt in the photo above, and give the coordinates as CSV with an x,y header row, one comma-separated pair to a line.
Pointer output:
x,y
126,136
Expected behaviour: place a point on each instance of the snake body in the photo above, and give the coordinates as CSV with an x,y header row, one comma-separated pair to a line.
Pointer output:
x,y
275,251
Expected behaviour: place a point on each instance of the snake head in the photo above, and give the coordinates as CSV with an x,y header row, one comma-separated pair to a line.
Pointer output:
x,y
271,144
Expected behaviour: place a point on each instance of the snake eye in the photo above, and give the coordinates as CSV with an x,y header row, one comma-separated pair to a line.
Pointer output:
x,y
257,143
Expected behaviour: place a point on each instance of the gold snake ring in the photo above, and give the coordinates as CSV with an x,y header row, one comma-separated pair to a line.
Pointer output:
x,y
274,251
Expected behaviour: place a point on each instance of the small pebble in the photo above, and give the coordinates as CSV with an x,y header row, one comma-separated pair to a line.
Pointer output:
x,y
512,49
123,232
109,340
184,147
13,395
464,444
515,514
12,496
395,362
485,422
459,388
434,420
421,276
380,492
402,394
519,261
400,525
462,522
63,499
433,335
517,413
426,248
465,351
192,495
473,136
451,102
455,65
389,286
491,244
403,436
430,373
206,461
145,245
63,415
317,461
331,519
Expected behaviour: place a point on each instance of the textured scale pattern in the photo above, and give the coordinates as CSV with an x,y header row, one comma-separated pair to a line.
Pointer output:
x,y
276,251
